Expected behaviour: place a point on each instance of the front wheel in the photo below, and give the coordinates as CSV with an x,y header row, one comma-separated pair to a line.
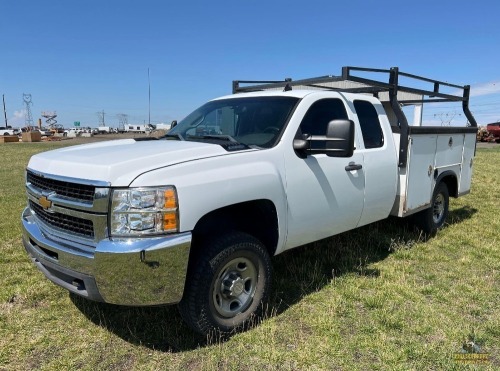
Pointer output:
x,y
228,285
433,218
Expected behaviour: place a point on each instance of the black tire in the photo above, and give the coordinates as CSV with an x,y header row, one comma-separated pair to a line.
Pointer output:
x,y
433,218
228,286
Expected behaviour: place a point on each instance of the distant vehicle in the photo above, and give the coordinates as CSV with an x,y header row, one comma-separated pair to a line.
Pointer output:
x,y
73,132
57,129
138,128
494,131
43,130
163,126
104,129
8,130
46,132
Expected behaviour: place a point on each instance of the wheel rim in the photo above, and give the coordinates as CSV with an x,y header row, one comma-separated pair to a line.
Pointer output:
x,y
234,287
438,208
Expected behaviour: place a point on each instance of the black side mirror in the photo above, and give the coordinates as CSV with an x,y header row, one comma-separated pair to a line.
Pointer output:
x,y
173,124
338,140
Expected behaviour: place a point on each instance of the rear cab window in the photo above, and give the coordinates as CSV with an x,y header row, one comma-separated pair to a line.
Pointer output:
x,y
371,129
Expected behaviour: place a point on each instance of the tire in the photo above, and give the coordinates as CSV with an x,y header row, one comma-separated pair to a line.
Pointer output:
x,y
6,133
433,218
228,286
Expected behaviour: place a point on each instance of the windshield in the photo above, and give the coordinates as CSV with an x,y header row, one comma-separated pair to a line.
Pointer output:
x,y
252,121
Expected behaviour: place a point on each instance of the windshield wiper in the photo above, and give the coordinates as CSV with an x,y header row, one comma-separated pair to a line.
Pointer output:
x,y
225,141
229,138
177,136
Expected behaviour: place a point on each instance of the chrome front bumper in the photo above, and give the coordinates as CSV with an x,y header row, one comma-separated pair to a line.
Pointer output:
x,y
140,271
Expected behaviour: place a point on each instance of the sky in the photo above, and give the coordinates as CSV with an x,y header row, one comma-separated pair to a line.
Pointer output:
x,y
78,58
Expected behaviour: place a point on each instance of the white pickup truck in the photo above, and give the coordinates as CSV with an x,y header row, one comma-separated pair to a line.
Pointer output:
x,y
194,217
8,130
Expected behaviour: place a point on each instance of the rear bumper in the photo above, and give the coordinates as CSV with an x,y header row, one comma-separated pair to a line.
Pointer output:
x,y
139,271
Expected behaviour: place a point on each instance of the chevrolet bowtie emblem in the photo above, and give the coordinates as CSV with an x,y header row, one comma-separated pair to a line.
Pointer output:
x,y
44,202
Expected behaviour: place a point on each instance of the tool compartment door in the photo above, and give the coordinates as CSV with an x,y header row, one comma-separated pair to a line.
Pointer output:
x,y
420,168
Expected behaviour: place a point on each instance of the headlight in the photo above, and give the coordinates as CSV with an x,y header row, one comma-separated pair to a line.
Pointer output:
x,y
140,211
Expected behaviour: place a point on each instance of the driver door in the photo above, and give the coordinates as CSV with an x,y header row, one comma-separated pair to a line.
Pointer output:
x,y
324,198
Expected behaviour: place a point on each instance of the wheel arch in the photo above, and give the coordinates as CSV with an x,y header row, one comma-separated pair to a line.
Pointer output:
x,y
258,218
451,180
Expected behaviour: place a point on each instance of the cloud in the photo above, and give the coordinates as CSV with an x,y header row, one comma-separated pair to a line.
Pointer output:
x,y
485,89
17,120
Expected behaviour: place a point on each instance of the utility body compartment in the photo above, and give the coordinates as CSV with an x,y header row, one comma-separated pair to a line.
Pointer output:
x,y
433,153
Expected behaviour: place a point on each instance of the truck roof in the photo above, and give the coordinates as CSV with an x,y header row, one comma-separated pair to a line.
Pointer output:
x,y
299,93
273,93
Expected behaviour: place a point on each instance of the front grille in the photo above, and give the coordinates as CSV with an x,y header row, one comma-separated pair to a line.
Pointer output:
x,y
80,192
66,223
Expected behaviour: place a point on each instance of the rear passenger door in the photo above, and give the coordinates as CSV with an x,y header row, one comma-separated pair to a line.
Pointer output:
x,y
380,160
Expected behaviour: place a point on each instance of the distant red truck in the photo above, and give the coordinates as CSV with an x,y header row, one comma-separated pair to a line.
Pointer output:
x,y
494,131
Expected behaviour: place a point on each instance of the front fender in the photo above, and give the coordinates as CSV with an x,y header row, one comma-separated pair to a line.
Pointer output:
x,y
209,184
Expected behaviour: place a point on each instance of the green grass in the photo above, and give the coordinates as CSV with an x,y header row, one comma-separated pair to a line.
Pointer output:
x,y
379,297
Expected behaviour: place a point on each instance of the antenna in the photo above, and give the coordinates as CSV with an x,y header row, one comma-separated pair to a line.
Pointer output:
x,y
149,100
28,118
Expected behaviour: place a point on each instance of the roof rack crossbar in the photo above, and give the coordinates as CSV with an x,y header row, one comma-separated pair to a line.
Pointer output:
x,y
369,85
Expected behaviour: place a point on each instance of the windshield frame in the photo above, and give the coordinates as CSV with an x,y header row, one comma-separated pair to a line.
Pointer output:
x,y
252,121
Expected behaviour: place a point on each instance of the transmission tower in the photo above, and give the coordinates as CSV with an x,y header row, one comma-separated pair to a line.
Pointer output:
x,y
447,118
122,119
28,118
50,118
100,115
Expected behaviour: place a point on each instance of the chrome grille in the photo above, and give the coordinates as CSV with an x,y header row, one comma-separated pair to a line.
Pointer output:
x,y
66,223
81,192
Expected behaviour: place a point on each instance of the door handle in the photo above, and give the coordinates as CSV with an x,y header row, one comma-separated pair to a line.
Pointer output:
x,y
352,166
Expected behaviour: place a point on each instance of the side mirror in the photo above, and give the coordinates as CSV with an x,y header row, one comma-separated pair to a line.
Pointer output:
x,y
340,138
338,141
173,124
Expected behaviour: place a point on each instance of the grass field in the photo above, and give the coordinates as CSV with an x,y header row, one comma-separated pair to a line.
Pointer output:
x,y
379,297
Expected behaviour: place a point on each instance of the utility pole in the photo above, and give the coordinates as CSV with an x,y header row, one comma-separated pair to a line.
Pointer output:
x,y
4,110
149,100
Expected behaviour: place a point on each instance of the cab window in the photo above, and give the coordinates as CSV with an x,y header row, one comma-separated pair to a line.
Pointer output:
x,y
320,114
370,124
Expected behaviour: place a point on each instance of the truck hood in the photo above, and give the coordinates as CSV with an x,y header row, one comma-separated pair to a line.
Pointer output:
x,y
119,162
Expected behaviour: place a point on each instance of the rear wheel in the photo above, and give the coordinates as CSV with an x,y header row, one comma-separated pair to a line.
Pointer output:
x,y
433,218
228,285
